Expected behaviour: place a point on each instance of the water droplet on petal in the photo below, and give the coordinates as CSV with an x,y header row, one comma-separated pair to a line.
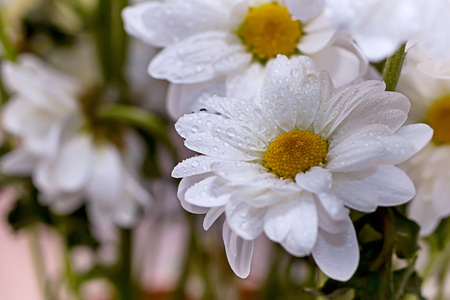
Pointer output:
x,y
231,132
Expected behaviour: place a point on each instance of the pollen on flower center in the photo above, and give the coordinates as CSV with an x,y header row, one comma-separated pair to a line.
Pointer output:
x,y
438,117
295,152
268,30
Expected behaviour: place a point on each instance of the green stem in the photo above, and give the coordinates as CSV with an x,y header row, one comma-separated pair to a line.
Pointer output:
x,y
124,280
70,277
442,277
4,96
270,289
436,260
202,265
404,281
79,9
393,68
38,261
321,279
103,38
119,39
112,44
8,48
184,273
384,260
197,256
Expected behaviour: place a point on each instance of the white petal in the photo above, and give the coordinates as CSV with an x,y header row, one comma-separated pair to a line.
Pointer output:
x,y
279,218
329,223
422,212
212,215
71,169
248,114
373,144
441,192
107,178
39,128
184,98
42,85
212,135
315,42
236,174
418,134
134,149
18,162
264,198
317,180
135,191
239,172
231,59
134,23
434,39
337,255
333,205
42,178
341,54
239,252
376,48
247,85
63,203
384,186
293,91
305,10
163,24
244,219
126,211
204,194
193,166
302,234
199,58
360,105
17,113
184,185
318,34
435,69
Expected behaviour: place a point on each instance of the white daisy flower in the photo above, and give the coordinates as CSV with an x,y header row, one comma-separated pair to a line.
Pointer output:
x,y
43,100
291,166
72,157
427,84
380,26
206,41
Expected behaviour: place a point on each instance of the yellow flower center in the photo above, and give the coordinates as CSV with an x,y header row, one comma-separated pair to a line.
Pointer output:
x,y
438,117
268,30
295,152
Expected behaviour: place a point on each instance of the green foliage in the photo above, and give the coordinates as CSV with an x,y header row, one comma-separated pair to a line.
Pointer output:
x,y
74,227
382,235
440,237
27,212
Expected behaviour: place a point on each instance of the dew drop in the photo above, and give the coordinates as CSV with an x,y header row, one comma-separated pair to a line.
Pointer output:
x,y
231,132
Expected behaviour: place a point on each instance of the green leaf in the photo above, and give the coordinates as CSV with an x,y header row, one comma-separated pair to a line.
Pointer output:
x,y
367,234
409,282
407,232
440,237
75,227
27,211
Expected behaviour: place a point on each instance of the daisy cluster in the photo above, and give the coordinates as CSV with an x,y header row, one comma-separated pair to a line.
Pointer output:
x,y
292,131
323,125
